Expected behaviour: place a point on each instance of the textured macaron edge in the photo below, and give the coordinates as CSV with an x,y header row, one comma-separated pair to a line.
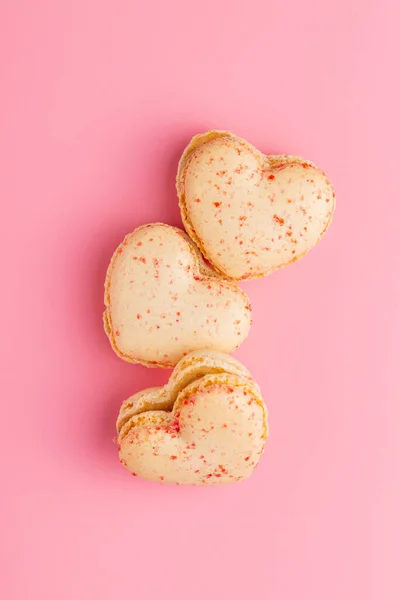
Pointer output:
x,y
149,399
273,161
203,362
201,270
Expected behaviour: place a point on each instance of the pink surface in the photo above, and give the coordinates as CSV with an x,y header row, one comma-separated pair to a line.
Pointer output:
x,y
98,100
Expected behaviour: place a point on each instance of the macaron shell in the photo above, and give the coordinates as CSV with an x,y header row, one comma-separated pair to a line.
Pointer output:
x,y
156,398
198,363
215,435
251,214
162,303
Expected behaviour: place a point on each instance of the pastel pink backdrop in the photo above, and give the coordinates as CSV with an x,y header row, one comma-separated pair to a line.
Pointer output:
x,y
98,99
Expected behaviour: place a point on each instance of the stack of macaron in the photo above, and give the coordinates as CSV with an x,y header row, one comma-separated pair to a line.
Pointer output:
x,y
172,301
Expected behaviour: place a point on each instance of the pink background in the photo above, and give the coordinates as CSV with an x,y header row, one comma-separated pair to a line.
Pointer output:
x,y
98,100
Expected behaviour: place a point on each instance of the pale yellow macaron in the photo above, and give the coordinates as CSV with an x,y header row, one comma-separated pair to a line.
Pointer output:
x,y
206,426
163,301
249,213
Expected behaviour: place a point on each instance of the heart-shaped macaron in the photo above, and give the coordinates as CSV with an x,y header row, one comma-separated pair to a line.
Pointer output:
x,y
163,301
207,426
249,213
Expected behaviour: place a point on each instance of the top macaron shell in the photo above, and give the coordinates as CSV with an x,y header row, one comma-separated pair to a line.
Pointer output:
x,y
251,214
162,301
